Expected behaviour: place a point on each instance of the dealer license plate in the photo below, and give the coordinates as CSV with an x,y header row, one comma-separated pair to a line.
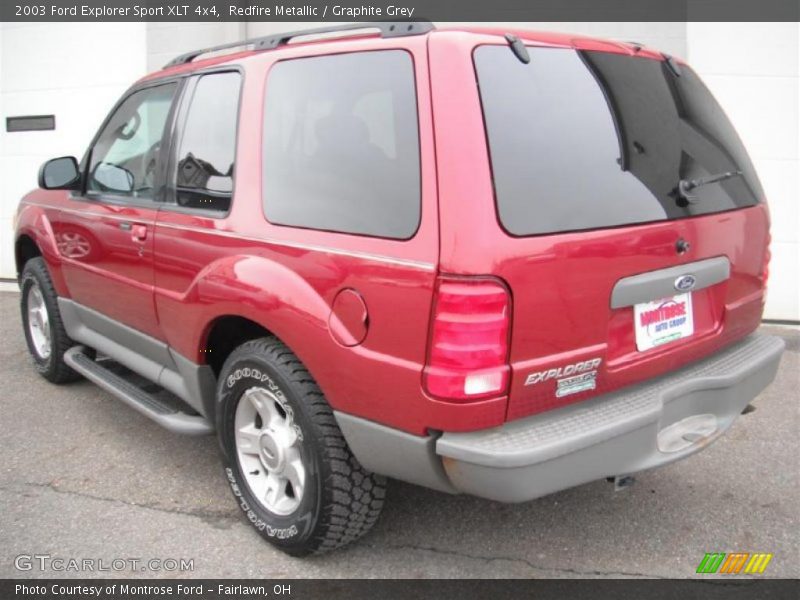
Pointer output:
x,y
663,321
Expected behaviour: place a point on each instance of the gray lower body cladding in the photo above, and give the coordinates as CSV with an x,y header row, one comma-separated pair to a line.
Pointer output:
x,y
619,433
152,359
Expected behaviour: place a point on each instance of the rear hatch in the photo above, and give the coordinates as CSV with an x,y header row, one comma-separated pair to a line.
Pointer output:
x,y
636,230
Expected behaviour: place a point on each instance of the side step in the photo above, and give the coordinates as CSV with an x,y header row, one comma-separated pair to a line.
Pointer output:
x,y
135,397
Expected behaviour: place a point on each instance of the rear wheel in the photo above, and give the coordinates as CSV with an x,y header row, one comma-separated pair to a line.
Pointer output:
x,y
44,331
285,458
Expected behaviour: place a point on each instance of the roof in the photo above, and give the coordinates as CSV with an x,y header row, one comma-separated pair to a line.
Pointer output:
x,y
545,38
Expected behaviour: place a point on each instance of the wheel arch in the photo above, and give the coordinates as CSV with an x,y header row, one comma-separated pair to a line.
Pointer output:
x,y
25,248
224,334
244,297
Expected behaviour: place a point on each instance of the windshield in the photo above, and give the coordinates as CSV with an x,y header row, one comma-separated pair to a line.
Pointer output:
x,y
586,140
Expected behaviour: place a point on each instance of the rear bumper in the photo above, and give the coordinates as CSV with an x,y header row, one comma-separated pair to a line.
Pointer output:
x,y
620,433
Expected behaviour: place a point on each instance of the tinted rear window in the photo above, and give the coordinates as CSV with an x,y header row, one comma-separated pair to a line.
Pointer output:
x,y
341,144
585,140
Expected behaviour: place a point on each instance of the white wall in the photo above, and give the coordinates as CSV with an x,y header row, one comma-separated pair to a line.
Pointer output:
x,y
753,69
6,240
56,68
166,40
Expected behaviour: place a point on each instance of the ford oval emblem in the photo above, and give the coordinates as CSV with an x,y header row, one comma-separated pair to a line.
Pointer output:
x,y
685,283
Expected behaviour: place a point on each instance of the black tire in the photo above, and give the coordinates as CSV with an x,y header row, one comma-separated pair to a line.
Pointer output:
x,y
53,368
341,501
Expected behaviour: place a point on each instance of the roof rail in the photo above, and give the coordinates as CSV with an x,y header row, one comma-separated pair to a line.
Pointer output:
x,y
388,29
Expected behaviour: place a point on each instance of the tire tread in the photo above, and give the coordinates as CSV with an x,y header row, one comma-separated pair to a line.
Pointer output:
x,y
357,495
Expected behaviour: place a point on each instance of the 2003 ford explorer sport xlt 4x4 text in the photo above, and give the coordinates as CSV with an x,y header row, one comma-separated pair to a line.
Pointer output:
x,y
494,263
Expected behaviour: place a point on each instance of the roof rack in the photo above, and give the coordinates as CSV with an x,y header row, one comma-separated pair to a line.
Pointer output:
x,y
388,29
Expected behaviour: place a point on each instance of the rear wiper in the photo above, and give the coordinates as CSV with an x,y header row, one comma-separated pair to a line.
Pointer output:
x,y
687,185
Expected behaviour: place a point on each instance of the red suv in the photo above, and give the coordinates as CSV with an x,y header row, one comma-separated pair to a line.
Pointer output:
x,y
479,261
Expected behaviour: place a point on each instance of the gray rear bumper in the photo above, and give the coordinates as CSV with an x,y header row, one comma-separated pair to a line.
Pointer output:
x,y
615,434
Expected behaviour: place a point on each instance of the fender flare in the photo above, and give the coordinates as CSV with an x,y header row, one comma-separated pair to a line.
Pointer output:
x,y
261,290
32,222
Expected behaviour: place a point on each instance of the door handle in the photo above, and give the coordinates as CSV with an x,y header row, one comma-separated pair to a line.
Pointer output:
x,y
139,233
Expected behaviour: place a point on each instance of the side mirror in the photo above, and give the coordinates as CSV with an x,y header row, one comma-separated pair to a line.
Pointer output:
x,y
59,174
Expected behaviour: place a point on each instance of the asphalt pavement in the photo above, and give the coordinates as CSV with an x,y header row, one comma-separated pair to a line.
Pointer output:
x,y
84,477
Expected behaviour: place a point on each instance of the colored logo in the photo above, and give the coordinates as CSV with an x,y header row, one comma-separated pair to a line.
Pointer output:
x,y
684,283
734,563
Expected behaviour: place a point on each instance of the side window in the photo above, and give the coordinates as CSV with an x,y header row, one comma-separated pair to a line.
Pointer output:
x,y
125,156
341,144
207,147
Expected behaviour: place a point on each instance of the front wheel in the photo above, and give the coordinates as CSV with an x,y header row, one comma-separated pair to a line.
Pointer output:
x,y
286,460
44,331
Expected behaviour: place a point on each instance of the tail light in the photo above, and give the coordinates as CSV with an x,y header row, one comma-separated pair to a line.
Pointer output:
x,y
767,257
468,352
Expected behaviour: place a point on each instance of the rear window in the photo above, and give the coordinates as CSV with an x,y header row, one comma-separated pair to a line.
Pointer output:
x,y
341,144
586,140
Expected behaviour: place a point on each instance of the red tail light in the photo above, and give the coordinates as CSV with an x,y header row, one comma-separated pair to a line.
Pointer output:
x,y
767,258
468,353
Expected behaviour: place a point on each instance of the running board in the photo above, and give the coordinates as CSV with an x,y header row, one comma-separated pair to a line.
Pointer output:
x,y
167,416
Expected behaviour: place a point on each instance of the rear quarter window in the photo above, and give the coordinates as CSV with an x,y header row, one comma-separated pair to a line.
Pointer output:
x,y
588,140
204,175
341,144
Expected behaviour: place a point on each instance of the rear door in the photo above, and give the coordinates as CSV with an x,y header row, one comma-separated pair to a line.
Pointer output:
x,y
617,274
105,233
